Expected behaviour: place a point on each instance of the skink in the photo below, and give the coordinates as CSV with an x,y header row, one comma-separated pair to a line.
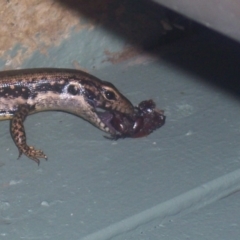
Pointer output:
x,y
24,92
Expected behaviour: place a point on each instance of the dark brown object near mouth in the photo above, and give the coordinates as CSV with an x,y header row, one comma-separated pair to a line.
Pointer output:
x,y
145,119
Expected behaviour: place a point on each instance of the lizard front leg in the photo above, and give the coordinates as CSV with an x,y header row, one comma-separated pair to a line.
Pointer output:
x,y
19,136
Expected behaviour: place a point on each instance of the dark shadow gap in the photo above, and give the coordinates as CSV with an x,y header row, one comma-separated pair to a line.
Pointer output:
x,y
145,24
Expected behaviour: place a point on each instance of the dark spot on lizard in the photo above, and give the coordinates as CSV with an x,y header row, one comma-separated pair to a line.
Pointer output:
x,y
73,89
56,87
17,91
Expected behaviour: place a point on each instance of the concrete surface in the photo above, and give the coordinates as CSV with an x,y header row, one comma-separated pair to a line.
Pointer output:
x,y
181,182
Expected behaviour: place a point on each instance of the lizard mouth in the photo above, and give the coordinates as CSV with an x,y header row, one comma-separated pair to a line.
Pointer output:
x,y
145,119
106,117
120,125
108,120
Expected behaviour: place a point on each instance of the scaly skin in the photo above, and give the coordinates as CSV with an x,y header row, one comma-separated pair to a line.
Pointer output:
x,y
24,92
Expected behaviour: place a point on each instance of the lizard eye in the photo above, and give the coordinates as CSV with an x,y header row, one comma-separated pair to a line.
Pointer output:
x,y
72,89
110,95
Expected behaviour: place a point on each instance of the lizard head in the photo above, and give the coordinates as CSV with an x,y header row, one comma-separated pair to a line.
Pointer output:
x,y
107,100
113,100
